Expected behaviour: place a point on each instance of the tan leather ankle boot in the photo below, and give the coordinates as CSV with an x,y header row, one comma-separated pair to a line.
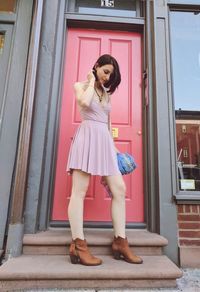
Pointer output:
x,y
79,253
120,248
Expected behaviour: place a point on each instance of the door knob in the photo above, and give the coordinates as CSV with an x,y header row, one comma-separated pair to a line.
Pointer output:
x,y
139,133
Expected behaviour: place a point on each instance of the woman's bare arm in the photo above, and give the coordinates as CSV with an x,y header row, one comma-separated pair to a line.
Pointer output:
x,y
84,92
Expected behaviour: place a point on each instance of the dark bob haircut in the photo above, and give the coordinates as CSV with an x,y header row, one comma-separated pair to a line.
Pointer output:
x,y
115,77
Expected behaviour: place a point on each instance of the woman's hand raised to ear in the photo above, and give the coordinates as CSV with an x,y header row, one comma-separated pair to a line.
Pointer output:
x,y
84,94
90,76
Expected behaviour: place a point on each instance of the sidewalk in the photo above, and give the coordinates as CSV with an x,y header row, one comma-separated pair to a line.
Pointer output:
x,y
190,282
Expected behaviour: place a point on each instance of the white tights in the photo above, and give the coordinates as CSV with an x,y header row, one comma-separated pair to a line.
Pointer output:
x,y
80,182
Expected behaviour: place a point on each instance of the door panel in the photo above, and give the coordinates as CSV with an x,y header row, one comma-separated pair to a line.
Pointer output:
x,y
82,50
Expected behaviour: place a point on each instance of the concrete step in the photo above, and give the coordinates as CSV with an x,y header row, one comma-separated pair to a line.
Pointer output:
x,y
56,271
56,242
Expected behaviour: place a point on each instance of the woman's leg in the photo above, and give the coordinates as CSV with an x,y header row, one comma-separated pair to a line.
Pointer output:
x,y
78,251
80,182
120,245
118,190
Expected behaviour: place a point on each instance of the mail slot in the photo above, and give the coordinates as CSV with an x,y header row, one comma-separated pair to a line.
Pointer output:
x,y
115,132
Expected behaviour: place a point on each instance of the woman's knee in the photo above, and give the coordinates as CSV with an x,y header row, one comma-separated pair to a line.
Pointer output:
x,y
122,187
119,189
78,193
80,184
79,190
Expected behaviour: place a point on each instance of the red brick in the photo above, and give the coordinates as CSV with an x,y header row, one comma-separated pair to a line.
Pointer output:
x,y
180,209
189,217
189,225
187,209
191,233
194,209
189,242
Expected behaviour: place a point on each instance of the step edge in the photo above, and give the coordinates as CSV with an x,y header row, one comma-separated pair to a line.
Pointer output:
x,y
64,241
172,272
95,284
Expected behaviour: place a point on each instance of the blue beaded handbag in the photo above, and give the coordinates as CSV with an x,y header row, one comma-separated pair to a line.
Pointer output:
x,y
126,163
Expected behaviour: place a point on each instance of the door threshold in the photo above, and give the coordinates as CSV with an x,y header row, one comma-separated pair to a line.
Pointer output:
x,y
89,224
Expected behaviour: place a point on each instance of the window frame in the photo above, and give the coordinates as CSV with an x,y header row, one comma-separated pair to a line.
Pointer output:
x,y
181,197
70,9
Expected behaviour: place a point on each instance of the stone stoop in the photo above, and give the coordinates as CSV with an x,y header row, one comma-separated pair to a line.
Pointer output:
x,y
45,263
57,241
56,271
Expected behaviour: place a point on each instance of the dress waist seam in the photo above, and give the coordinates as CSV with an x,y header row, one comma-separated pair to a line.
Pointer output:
x,y
94,121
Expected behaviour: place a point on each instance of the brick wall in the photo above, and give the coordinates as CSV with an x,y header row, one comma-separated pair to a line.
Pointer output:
x,y
189,225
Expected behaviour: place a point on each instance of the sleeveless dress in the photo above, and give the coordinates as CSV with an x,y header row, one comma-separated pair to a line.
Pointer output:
x,y
92,149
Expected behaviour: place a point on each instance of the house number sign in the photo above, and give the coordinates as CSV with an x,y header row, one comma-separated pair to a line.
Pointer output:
x,y
107,3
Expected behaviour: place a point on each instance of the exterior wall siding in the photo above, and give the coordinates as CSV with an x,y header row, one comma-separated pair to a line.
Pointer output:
x,y
165,139
10,111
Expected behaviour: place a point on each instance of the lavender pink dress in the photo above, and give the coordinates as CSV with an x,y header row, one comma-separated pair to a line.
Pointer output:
x,y
92,149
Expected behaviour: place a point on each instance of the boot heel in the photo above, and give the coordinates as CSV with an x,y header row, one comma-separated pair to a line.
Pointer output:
x,y
74,259
116,255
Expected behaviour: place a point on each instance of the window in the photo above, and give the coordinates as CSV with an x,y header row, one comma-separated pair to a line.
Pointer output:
x,y
117,8
7,6
185,46
195,2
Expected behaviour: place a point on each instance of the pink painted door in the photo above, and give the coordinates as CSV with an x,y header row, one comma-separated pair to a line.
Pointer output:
x,y
83,47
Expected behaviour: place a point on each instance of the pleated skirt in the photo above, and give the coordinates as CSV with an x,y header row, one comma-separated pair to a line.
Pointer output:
x,y
92,150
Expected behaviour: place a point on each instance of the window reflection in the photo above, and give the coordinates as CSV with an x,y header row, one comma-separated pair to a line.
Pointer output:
x,y
185,35
188,151
7,6
185,45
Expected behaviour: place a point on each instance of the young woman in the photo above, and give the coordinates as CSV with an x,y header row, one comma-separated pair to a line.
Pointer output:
x,y
93,152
